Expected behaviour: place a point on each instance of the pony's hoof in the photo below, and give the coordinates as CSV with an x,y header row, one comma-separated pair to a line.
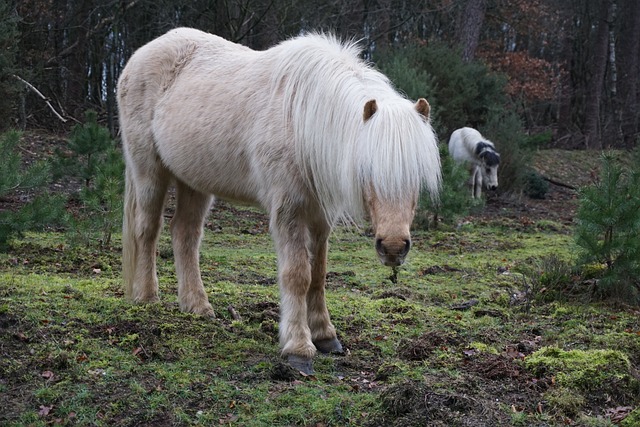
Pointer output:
x,y
302,364
209,313
146,299
329,346
203,310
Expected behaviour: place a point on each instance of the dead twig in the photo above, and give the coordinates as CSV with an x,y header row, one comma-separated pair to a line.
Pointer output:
x,y
234,313
558,183
37,92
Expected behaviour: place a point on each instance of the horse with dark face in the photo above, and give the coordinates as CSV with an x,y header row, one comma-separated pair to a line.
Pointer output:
x,y
468,146
305,129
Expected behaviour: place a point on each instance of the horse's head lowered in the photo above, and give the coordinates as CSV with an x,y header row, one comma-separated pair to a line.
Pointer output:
x,y
391,225
490,161
391,219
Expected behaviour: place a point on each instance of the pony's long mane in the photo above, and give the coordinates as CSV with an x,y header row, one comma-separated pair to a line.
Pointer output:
x,y
324,86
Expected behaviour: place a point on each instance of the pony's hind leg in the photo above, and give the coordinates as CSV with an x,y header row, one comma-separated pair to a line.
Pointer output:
x,y
186,233
144,203
323,333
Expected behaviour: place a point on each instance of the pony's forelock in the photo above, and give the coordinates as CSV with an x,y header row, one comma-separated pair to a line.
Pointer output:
x,y
396,154
325,86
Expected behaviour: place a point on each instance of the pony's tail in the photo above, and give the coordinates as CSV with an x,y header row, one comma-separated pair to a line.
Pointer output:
x,y
129,247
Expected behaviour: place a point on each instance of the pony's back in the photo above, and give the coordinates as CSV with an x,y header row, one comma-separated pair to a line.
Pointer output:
x,y
153,67
462,144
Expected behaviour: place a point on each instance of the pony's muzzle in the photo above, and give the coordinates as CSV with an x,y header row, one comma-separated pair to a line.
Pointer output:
x,y
392,252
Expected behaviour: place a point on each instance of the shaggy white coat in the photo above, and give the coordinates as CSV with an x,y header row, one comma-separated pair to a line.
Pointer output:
x,y
463,148
286,129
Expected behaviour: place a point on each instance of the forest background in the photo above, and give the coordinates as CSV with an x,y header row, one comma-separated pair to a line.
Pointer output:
x,y
569,69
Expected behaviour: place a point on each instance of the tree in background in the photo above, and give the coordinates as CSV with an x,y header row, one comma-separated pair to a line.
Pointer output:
x,y
8,48
629,75
595,86
563,58
470,22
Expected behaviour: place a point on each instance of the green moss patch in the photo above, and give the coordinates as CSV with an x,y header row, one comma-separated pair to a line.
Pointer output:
x,y
602,375
444,346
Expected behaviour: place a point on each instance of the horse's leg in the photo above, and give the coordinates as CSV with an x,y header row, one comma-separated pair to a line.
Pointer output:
x,y
291,237
148,189
323,333
477,182
186,233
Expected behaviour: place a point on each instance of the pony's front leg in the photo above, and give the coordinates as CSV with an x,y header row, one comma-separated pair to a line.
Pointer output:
x,y
476,188
186,233
323,333
294,278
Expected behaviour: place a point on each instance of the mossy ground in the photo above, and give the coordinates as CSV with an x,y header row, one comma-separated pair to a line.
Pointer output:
x,y
449,344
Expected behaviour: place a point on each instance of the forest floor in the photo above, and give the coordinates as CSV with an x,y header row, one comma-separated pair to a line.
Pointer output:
x,y
486,326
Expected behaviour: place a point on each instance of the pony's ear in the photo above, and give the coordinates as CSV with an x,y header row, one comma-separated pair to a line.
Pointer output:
x,y
423,107
369,109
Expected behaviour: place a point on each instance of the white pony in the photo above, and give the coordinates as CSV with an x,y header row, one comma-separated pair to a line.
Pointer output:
x,y
468,146
305,129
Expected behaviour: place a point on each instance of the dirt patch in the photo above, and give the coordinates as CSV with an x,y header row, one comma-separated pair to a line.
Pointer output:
x,y
422,347
416,403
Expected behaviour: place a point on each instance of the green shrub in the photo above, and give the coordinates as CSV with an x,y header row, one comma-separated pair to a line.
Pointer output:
x,y
535,186
414,82
461,94
43,209
504,128
608,229
94,158
85,151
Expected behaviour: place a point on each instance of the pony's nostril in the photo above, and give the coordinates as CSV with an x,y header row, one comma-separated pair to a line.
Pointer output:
x,y
407,246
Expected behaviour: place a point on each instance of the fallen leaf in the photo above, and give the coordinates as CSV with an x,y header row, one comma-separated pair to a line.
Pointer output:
x,y
47,375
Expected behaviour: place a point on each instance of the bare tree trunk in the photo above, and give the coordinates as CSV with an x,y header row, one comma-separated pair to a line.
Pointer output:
x,y
469,25
565,130
598,67
629,71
